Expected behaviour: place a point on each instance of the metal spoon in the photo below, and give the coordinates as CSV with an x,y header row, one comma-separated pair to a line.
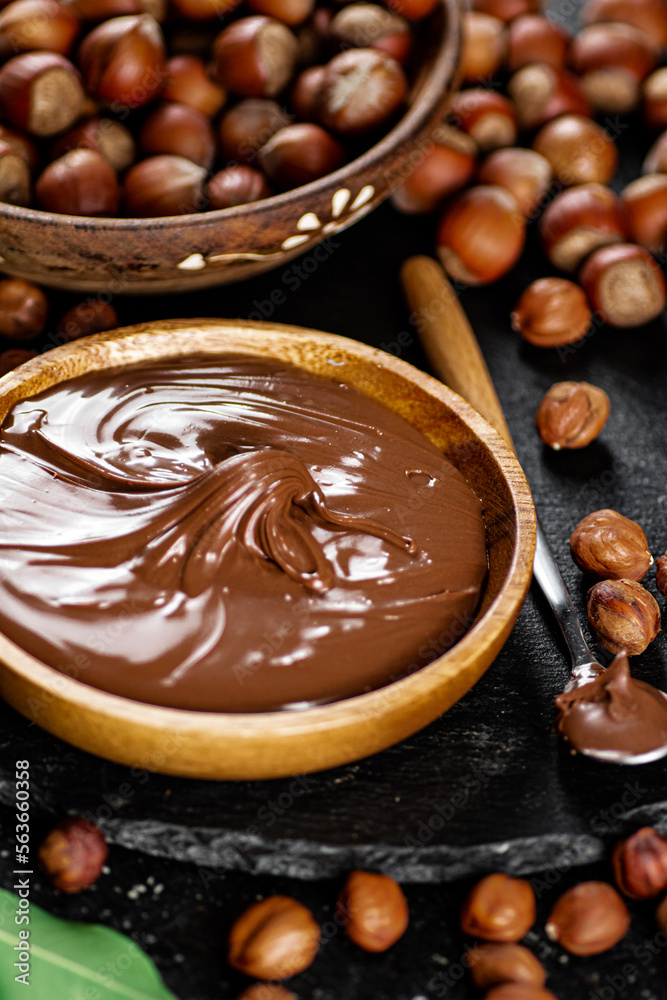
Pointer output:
x,y
452,348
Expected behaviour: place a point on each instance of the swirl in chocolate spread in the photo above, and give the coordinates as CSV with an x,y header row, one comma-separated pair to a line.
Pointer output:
x,y
230,535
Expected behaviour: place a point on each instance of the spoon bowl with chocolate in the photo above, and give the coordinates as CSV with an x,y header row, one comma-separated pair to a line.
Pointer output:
x,y
238,550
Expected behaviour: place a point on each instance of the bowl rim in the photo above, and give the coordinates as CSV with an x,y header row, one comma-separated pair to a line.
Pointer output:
x,y
244,730
436,84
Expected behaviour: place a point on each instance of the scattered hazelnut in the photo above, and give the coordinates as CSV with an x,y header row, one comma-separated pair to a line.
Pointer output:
x,y
588,919
656,158
571,415
291,12
526,174
255,56
14,176
661,574
41,92
79,183
518,991
481,235
236,186
607,545
88,317
106,136
661,912
552,312
611,61
29,25
499,908
274,939
541,92
367,25
123,61
623,615
374,910
493,964
299,154
640,864
188,83
534,38
646,202
579,221
650,16
484,46
164,185
23,309
507,10
266,991
578,149
249,125
440,171
11,359
361,89
624,284
180,130
488,117
655,99
73,854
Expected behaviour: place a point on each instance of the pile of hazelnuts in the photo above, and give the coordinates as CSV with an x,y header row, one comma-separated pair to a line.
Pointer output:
x,y
163,107
527,76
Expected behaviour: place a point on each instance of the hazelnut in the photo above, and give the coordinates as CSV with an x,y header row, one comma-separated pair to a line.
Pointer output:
x,y
266,991
274,939
507,10
488,117
28,25
646,202
374,910
579,221
414,10
650,16
249,125
79,183
588,919
237,185
361,89
305,94
492,964
534,38
552,312
640,864
656,158
11,359
541,92
106,136
23,145
571,415
291,12
41,92
661,574
518,991
367,25
164,185
255,56
484,46
299,154
661,912
608,546
188,83
444,168
123,61
524,173
499,908
86,318
481,235
623,615
578,149
204,10
102,10
611,61
14,176
181,130
655,99
624,284
23,309
73,854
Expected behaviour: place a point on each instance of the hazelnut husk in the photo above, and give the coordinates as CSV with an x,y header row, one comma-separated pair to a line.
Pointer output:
x,y
499,908
588,919
640,864
623,615
661,574
23,309
374,910
73,854
572,414
274,939
493,964
552,312
608,546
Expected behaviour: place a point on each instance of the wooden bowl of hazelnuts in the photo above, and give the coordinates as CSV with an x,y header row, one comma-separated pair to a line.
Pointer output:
x,y
165,145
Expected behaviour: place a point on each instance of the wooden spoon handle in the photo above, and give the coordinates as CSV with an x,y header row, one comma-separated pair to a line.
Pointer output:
x,y
448,339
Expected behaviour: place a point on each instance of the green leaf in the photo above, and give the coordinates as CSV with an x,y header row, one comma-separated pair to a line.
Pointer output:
x,y
71,961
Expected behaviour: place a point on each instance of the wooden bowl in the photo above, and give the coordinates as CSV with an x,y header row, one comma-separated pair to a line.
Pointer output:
x,y
182,253
273,744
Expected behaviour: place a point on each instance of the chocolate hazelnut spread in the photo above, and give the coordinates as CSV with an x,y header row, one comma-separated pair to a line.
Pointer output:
x,y
230,535
614,713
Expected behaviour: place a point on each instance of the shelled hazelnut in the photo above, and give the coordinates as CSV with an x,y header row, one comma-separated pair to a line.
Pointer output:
x,y
579,150
274,939
611,61
541,92
249,125
484,46
481,235
290,12
86,318
23,309
655,100
299,154
237,185
646,201
552,312
571,415
579,221
493,964
188,83
487,116
527,175
656,158
650,16
14,176
640,864
106,136
41,92
180,130
255,56
31,25
589,919
607,545
11,359
367,25
79,183
123,61
440,171
373,909
164,185
623,615
507,10
624,284
534,38
361,89
661,574
73,853
500,909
